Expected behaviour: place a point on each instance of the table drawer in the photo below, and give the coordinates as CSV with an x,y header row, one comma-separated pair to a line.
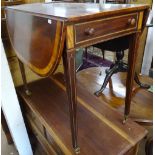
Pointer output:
x,y
105,27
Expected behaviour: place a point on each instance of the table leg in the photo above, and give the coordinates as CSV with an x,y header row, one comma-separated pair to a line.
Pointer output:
x,y
70,78
134,41
22,69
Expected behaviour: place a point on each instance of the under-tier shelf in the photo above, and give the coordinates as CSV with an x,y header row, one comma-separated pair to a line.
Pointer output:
x,y
100,128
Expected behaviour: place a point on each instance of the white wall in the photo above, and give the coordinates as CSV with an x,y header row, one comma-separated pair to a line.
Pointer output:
x,y
11,109
148,53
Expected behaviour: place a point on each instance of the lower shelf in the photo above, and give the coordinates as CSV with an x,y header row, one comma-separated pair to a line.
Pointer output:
x,y
100,128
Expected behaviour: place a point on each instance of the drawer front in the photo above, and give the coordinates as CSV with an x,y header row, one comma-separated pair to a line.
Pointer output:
x,y
105,27
49,150
36,124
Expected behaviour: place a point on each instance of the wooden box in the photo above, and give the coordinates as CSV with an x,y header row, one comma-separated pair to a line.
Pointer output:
x,y
100,128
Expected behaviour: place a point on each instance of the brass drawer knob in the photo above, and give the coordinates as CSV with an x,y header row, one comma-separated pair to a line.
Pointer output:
x,y
89,31
131,21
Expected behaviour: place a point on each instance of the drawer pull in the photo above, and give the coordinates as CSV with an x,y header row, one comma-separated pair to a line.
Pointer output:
x,y
89,31
131,21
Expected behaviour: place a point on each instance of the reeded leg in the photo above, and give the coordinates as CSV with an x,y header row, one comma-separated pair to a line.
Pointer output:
x,y
22,69
70,78
134,40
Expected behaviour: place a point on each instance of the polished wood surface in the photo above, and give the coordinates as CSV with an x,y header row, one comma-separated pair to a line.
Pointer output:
x,y
10,3
63,19
89,30
37,41
100,127
42,139
114,94
70,77
134,43
78,11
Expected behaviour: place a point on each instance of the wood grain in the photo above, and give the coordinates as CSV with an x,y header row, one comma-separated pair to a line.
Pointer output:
x,y
104,27
47,148
40,46
140,20
95,136
75,12
45,32
70,37
133,47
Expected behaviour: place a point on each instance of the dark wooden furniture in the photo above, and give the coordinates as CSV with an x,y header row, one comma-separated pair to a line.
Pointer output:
x,y
41,33
100,127
4,4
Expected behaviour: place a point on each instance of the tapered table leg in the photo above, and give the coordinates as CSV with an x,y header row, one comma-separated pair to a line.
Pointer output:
x,y
70,78
22,69
134,41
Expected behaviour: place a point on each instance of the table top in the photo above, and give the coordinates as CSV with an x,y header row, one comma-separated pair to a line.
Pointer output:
x,y
72,11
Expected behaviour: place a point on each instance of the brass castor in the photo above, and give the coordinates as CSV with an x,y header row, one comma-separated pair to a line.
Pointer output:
x,y
77,150
28,93
125,119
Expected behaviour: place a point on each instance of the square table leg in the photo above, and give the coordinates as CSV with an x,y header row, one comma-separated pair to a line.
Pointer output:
x,y
133,48
22,70
70,78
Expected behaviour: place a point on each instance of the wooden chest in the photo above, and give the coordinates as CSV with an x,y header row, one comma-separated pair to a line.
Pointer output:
x,y
101,131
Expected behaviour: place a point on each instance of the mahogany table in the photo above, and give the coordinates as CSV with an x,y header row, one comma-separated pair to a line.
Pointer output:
x,y
43,32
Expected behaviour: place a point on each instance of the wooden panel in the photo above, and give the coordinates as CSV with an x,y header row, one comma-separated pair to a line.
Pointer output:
x,y
41,44
11,56
141,2
70,37
46,146
33,120
105,27
33,1
140,20
15,70
133,151
75,12
100,128
10,3
4,4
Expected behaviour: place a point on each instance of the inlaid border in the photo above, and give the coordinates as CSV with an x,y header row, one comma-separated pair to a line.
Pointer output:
x,y
76,43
